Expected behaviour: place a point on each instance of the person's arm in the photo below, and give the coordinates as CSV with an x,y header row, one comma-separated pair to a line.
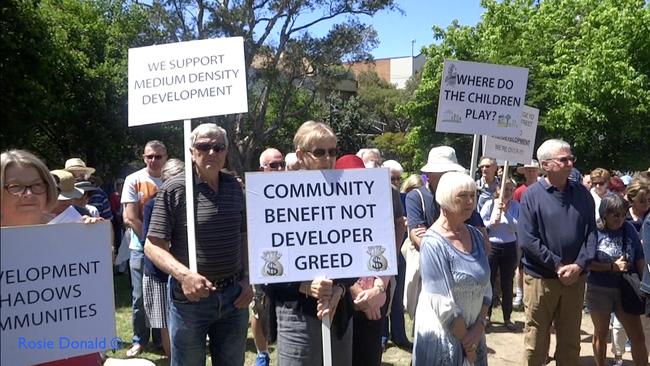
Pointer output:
x,y
588,250
193,284
416,218
132,218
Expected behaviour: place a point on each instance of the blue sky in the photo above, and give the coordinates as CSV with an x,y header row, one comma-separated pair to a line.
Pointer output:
x,y
396,31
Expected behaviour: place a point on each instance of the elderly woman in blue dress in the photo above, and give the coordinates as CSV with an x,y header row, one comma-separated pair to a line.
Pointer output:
x,y
456,293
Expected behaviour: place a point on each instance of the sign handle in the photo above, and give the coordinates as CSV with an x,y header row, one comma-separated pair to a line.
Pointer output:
x,y
327,343
504,177
472,164
189,196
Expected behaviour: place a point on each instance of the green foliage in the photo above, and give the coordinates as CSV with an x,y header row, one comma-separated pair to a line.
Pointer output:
x,y
344,116
65,80
589,63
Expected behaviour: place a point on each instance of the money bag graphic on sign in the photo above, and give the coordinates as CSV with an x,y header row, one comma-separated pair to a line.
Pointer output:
x,y
377,261
272,266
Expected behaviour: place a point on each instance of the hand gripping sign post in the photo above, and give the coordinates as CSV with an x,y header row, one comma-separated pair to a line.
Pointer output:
x,y
56,292
477,98
183,81
332,223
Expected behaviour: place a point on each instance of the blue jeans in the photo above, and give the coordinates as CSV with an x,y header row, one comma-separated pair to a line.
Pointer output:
x,y
140,330
216,316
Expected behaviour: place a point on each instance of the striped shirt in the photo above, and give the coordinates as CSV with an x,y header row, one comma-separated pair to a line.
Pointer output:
x,y
220,222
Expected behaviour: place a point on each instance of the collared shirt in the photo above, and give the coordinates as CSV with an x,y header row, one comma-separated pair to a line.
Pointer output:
x,y
556,228
219,223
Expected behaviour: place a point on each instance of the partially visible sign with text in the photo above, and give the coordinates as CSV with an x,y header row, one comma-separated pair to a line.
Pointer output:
x,y
56,292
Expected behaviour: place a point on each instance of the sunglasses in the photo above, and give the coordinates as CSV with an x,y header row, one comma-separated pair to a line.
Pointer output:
x,y
599,183
276,165
565,159
21,189
152,156
207,146
319,153
393,179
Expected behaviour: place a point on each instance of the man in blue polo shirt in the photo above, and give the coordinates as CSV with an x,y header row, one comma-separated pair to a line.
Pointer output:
x,y
557,231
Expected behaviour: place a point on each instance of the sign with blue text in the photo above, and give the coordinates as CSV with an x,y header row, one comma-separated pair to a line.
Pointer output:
x,y
187,80
515,149
311,223
484,99
56,292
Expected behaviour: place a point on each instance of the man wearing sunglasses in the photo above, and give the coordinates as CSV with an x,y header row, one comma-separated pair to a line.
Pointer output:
x,y
272,160
557,232
214,300
139,187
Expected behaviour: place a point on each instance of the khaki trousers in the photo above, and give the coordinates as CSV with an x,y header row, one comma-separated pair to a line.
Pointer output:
x,y
546,300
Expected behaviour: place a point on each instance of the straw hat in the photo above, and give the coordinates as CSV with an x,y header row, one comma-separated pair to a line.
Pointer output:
x,y
78,165
533,165
442,159
65,181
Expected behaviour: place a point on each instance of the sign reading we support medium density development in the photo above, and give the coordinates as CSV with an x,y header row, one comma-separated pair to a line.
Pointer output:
x,y
333,223
187,80
483,99
56,292
518,149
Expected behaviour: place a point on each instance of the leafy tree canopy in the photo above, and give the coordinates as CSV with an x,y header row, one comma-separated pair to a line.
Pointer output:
x,y
589,63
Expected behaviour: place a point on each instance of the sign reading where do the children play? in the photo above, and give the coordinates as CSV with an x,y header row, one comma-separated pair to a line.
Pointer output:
x,y
333,223
477,98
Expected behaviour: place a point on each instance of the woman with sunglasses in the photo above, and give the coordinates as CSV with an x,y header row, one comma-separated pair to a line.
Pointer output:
x,y
301,305
619,250
28,195
599,186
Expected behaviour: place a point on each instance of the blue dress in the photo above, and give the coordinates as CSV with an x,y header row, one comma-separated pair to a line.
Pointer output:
x,y
453,284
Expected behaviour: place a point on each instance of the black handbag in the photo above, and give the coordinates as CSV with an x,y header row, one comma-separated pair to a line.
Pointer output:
x,y
633,300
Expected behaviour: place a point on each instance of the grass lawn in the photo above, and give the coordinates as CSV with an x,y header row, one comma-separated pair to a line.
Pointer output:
x,y
392,356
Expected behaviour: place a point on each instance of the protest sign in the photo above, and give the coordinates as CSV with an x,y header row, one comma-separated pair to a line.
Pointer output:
x,y
478,98
333,223
56,292
187,80
517,149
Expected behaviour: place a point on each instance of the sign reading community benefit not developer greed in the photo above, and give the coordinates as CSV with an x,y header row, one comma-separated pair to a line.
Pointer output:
x,y
305,224
483,99
186,80
56,292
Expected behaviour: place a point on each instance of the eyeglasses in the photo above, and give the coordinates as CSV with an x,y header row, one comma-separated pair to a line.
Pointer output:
x,y
395,179
599,183
276,165
484,166
21,189
152,156
207,146
565,159
319,153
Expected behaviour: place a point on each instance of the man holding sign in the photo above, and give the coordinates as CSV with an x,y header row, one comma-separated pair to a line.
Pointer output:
x,y
215,300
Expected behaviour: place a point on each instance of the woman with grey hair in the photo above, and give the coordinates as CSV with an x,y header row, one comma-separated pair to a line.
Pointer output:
x,y
456,293
618,250
154,280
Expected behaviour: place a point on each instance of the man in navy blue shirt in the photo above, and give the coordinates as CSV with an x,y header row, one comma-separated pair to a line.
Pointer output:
x,y
557,230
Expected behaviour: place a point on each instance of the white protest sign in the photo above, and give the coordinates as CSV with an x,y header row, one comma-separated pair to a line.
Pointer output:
x,y
187,80
56,286
518,149
483,99
334,223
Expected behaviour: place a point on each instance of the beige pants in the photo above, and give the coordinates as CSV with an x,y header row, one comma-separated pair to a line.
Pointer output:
x,y
546,300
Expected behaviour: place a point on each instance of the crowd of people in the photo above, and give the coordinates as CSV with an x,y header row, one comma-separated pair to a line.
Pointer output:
x,y
546,239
